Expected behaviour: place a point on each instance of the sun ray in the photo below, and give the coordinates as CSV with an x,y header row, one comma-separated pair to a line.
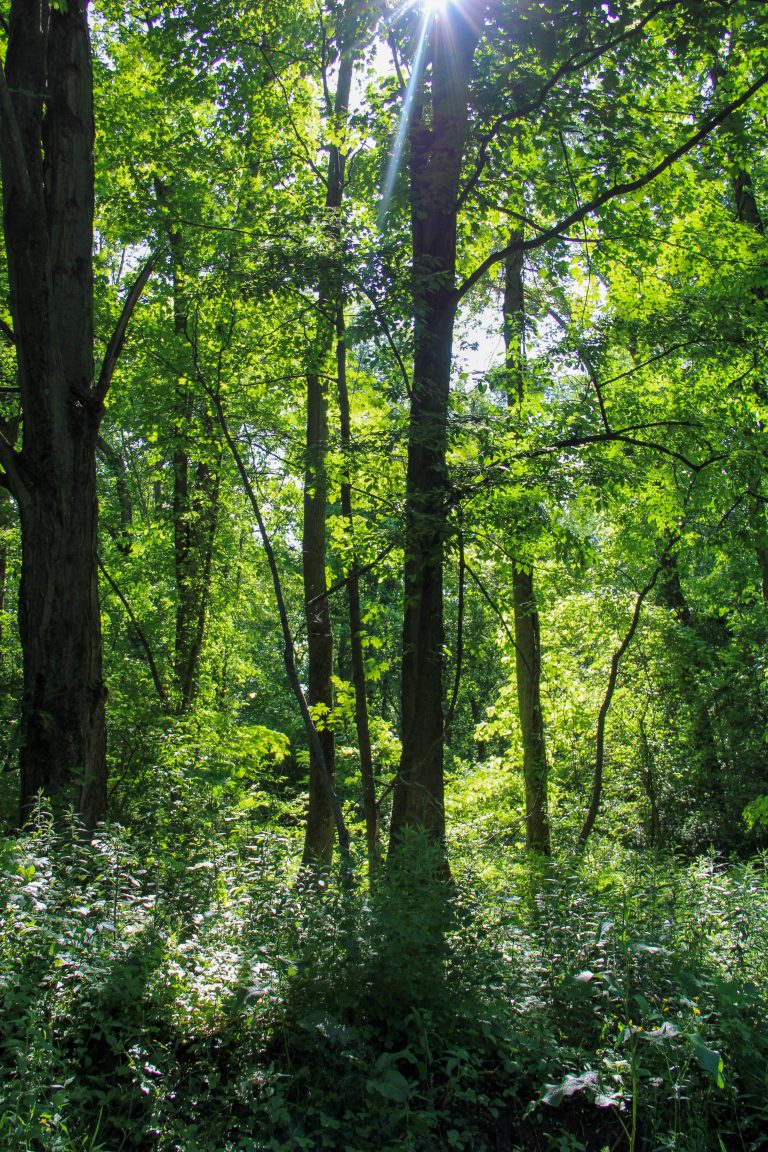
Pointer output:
x,y
405,115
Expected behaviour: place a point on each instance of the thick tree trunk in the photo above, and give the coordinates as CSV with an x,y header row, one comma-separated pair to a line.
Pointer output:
x,y
435,152
527,631
435,156
47,168
63,746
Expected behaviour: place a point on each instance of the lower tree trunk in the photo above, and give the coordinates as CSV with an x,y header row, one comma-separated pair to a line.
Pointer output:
x,y
194,538
528,667
46,145
419,794
319,833
63,750
7,517
370,805
527,632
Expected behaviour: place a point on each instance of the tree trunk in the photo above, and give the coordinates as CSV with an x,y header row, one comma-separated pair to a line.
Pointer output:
x,y
370,805
527,631
435,156
613,677
696,659
196,486
63,750
47,170
747,212
318,839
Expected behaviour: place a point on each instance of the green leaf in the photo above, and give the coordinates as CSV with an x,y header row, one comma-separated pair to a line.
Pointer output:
x,y
710,1061
390,1084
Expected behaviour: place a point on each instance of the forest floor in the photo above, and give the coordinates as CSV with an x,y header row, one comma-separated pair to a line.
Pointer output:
x,y
202,995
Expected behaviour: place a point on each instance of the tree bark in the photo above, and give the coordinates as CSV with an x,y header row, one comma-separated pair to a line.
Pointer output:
x,y
47,171
436,148
318,838
527,630
46,154
370,805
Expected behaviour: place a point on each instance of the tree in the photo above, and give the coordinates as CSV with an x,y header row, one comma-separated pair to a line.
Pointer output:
x,y
567,77
46,145
436,140
527,628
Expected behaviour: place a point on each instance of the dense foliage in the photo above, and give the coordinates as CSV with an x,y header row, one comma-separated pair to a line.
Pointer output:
x,y
385,767
210,999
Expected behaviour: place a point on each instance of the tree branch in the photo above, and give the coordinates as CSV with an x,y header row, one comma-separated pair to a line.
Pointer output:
x,y
571,65
140,635
117,339
10,127
597,779
617,190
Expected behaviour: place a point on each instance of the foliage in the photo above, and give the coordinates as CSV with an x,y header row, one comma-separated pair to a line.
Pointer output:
x,y
179,984
227,1002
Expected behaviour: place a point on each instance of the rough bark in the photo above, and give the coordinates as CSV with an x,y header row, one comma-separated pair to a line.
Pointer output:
x,y
46,152
527,629
47,170
436,147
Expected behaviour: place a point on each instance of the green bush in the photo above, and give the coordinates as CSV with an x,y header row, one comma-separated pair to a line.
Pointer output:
x,y
221,999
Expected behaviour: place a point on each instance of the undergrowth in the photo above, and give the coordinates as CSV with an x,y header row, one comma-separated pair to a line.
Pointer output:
x,y
217,1000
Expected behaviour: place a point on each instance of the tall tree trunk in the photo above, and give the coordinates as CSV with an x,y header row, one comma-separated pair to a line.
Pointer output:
x,y
747,212
370,806
436,148
527,631
9,430
196,486
697,657
318,839
47,169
